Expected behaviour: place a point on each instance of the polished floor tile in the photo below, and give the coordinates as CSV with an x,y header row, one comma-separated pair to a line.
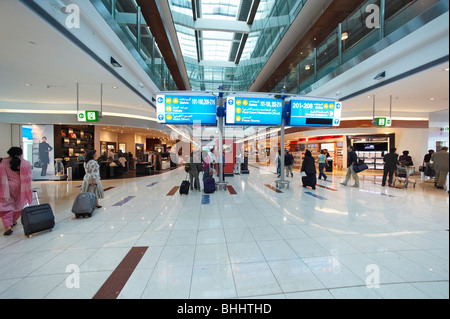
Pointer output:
x,y
344,243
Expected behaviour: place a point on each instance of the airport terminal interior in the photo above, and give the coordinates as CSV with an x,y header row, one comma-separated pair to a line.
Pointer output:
x,y
274,100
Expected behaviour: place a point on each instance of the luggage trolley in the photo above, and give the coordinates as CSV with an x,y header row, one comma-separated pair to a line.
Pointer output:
x,y
402,175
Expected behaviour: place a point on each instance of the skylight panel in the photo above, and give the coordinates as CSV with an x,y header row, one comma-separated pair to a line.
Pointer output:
x,y
214,50
220,9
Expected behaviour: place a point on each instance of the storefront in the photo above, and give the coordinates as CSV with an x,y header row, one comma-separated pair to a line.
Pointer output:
x,y
57,151
372,148
333,145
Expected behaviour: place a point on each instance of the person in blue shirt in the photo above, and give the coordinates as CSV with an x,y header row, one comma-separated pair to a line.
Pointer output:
x,y
322,164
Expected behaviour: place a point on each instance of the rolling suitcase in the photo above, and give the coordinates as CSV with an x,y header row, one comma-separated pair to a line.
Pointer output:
x,y
84,205
37,218
184,188
210,185
309,181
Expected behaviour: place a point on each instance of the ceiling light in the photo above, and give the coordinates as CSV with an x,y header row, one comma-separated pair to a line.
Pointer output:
x,y
344,36
307,67
28,84
380,76
114,63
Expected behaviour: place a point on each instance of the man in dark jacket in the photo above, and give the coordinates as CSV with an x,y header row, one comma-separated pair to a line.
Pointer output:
x,y
390,166
288,163
44,150
352,160
309,167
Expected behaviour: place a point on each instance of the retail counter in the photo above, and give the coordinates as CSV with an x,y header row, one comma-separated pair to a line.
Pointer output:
x,y
144,168
165,165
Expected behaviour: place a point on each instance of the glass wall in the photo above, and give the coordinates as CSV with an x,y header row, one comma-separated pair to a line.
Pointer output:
x,y
213,58
366,26
126,20
232,53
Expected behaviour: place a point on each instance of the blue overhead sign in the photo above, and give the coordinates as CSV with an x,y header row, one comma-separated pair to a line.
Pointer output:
x,y
184,110
315,113
247,111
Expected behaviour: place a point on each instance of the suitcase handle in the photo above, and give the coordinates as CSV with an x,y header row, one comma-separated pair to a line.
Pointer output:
x,y
35,195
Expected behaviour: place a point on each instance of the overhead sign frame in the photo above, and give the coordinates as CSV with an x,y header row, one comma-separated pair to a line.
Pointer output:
x,y
310,112
179,109
253,111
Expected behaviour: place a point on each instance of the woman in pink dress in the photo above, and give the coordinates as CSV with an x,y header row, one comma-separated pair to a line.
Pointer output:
x,y
15,188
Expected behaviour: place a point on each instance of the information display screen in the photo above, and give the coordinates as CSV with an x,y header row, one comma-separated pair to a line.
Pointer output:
x,y
248,111
315,113
185,110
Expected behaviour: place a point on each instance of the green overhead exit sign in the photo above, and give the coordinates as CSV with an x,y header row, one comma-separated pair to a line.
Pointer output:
x,y
382,122
88,116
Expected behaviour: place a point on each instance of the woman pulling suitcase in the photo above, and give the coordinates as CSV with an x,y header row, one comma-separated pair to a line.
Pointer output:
x,y
15,188
92,177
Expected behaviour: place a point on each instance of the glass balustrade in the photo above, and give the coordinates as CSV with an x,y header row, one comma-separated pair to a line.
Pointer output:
x,y
372,21
364,28
125,19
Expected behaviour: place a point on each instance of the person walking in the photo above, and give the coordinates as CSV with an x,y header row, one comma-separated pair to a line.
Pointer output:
x,y
206,162
212,161
322,164
288,162
195,167
278,163
390,166
441,162
309,168
91,180
428,166
237,165
352,160
15,188
406,159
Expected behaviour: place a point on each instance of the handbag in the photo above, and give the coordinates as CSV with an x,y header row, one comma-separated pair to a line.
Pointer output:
x,y
360,168
38,164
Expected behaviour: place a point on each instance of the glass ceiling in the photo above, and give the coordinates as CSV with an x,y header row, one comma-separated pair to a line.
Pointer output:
x,y
227,42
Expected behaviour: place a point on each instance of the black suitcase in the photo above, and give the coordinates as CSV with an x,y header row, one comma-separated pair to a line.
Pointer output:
x,y
309,181
37,218
85,204
184,188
